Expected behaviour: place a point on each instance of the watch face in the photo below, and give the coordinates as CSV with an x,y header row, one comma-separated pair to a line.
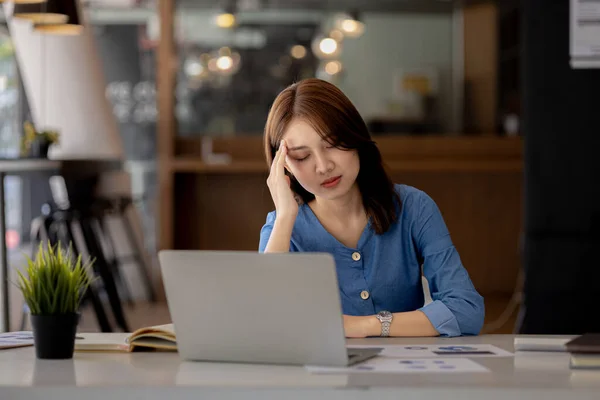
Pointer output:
x,y
385,315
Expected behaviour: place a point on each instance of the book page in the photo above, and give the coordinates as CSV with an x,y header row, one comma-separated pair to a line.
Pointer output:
x,y
166,329
153,343
96,341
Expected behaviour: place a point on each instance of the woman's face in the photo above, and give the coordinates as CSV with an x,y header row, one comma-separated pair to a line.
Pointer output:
x,y
321,169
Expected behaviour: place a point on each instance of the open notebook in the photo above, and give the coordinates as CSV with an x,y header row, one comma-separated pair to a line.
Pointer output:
x,y
152,338
11,340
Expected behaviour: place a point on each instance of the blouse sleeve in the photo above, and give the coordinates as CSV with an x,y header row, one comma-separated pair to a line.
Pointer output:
x,y
457,308
265,233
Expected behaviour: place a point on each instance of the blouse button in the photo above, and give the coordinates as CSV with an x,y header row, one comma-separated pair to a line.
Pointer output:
x,y
364,295
356,256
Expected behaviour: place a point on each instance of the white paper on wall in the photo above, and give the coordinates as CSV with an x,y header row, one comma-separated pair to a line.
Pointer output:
x,y
585,33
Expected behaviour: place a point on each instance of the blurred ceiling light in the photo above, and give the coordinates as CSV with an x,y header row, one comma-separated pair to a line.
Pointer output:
x,y
325,47
333,67
225,20
224,62
298,51
227,62
323,69
193,67
328,45
199,68
351,25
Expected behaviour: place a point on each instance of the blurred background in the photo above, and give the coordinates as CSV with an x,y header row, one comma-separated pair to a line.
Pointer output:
x,y
178,93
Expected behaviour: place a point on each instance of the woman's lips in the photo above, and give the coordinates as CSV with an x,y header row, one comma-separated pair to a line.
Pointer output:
x,y
331,182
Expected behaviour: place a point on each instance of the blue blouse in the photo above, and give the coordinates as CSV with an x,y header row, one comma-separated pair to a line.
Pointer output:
x,y
384,271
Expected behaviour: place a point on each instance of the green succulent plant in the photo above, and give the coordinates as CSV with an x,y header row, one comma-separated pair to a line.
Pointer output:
x,y
54,282
31,134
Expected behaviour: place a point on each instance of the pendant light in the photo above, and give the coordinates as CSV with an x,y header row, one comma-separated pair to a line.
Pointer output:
x,y
351,24
73,25
226,18
57,17
41,12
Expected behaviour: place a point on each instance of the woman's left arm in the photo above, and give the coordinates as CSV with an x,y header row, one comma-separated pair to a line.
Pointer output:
x,y
411,323
457,309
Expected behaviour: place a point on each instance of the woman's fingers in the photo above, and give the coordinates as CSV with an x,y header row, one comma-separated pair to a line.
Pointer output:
x,y
275,163
282,156
276,158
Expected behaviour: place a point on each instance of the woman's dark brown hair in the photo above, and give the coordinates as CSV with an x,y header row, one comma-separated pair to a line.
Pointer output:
x,y
329,112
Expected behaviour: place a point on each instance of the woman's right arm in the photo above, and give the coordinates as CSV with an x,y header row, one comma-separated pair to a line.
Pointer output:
x,y
281,235
285,205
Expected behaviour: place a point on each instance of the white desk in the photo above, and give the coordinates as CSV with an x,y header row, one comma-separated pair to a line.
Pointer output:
x,y
104,376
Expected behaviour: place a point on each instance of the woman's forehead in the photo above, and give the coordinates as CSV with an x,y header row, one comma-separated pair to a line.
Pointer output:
x,y
300,133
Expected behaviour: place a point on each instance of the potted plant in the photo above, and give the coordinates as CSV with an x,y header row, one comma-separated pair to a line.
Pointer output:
x,y
53,285
35,143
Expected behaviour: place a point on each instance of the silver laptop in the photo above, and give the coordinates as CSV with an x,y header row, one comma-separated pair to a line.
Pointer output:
x,y
238,306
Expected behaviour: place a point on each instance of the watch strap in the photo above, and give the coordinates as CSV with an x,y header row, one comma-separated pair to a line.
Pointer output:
x,y
385,317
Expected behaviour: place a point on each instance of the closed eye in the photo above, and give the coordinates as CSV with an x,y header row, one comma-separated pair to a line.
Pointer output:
x,y
301,159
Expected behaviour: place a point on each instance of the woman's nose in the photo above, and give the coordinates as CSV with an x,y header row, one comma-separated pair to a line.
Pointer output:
x,y
324,164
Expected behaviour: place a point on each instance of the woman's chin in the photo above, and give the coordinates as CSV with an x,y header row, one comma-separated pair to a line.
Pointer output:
x,y
332,194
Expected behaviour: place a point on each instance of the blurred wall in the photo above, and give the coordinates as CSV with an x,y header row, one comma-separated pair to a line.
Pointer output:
x,y
393,42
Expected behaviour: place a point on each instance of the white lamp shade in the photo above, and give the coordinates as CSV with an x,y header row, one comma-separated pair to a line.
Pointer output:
x,y
65,87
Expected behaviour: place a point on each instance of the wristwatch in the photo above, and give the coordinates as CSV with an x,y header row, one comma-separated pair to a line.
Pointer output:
x,y
385,317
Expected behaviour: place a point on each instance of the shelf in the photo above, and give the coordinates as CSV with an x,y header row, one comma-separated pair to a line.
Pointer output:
x,y
183,164
193,165
449,165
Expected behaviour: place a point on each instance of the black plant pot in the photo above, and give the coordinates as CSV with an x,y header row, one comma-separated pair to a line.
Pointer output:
x,y
39,148
54,335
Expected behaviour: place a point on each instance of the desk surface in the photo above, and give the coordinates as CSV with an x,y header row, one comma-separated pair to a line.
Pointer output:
x,y
28,165
163,376
73,165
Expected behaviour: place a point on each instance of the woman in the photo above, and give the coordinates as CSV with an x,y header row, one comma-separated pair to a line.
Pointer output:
x,y
332,194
